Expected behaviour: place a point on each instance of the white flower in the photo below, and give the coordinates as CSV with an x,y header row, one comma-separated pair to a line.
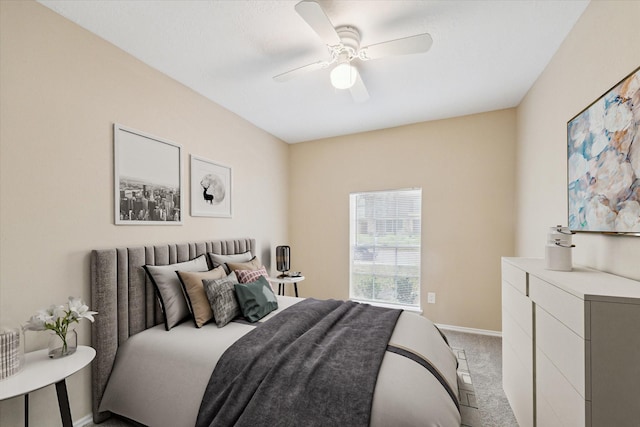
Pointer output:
x,y
36,322
58,318
57,312
79,310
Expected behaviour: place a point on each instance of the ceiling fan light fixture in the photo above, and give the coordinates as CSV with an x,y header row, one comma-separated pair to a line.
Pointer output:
x,y
344,76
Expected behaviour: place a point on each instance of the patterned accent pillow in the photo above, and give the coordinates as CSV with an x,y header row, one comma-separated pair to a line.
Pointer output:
x,y
248,276
222,298
197,299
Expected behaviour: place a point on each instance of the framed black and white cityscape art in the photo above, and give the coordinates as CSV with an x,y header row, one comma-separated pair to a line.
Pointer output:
x,y
210,188
603,166
148,183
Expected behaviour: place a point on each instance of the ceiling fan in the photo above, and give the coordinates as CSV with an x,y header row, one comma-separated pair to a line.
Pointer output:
x,y
343,44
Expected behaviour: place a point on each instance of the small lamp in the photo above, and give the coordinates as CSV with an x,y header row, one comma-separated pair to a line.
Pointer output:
x,y
283,259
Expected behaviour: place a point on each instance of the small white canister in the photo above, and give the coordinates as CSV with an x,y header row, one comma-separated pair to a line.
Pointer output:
x,y
558,249
11,351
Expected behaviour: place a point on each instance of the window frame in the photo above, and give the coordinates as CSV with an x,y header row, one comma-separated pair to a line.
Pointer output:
x,y
370,252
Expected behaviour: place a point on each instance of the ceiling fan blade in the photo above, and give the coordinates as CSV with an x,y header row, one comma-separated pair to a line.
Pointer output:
x,y
414,44
359,91
314,15
291,74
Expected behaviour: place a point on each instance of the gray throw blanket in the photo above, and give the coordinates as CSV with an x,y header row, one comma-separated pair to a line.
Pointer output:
x,y
314,364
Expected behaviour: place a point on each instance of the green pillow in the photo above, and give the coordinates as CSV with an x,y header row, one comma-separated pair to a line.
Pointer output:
x,y
256,299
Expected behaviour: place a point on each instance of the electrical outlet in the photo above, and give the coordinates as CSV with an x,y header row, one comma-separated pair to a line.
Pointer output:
x,y
431,297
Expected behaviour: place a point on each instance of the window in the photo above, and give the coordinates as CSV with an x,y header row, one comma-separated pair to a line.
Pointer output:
x,y
385,247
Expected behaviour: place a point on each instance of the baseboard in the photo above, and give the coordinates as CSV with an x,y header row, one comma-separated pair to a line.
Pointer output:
x,y
470,330
87,419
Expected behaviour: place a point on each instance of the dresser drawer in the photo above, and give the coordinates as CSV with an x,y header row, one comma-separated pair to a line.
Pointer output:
x,y
564,348
519,307
545,417
521,342
558,403
517,382
516,277
565,307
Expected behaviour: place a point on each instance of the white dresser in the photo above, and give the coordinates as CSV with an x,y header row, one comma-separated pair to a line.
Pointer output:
x,y
570,346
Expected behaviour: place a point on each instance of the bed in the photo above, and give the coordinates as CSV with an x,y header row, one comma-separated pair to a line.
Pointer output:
x,y
158,377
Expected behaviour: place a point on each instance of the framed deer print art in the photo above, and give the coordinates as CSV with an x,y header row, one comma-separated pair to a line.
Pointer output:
x,y
148,179
210,188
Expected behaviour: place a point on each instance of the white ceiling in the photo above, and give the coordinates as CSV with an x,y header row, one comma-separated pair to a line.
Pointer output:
x,y
485,55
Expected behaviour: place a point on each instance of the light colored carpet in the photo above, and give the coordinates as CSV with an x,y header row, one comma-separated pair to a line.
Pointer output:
x,y
114,422
468,402
484,358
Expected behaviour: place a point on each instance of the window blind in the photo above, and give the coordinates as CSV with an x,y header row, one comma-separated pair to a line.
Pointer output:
x,y
385,243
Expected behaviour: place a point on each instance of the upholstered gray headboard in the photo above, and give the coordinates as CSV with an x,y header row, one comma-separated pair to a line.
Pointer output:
x,y
125,299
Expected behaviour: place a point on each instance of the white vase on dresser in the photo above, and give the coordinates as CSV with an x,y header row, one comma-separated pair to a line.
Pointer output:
x,y
570,346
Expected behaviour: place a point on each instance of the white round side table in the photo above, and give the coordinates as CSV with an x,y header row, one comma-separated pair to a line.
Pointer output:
x,y
39,371
282,281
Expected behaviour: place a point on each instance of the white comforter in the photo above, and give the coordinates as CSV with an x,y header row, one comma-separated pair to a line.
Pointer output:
x,y
159,377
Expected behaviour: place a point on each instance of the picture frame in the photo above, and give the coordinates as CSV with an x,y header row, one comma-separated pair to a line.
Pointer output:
x,y
148,179
603,162
211,188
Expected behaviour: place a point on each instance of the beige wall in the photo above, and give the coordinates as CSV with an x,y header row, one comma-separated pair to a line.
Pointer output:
x,y
465,167
602,48
62,89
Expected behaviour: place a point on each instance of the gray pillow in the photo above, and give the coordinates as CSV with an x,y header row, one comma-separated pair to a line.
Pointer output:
x,y
222,298
217,259
256,299
168,288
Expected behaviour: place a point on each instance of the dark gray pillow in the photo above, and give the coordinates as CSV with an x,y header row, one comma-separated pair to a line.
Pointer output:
x,y
256,299
168,288
222,299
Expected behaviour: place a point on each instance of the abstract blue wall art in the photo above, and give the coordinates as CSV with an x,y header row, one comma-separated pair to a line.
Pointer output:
x,y
603,166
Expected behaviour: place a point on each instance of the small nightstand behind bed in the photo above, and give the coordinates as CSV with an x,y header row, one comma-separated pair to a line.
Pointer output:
x,y
282,281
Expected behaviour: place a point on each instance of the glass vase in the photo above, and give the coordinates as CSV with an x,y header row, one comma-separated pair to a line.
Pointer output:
x,y
61,347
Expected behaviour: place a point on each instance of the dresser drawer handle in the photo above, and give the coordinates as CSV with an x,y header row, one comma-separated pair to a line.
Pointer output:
x,y
559,230
564,246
